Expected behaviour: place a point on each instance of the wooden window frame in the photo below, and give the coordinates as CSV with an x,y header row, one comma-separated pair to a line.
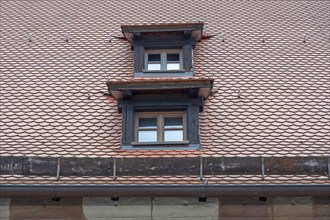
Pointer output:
x,y
131,107
186,58
163,59
160,125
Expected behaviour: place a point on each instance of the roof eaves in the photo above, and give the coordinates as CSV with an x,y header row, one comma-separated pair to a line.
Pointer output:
x,y
196,28
204,85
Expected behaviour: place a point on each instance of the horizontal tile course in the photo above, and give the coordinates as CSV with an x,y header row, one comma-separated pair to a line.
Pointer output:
x,y
284,83
223,179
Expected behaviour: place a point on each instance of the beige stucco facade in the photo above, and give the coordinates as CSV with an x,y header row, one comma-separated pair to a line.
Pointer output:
x,y
162,208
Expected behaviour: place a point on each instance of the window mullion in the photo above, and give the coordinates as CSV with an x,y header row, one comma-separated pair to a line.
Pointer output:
x,y
184,120
163,60
160,128
136,126
174,129
181,59
160,131
145,66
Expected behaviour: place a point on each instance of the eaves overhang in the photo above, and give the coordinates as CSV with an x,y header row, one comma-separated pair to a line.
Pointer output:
x,y
203,86
195,28
195,190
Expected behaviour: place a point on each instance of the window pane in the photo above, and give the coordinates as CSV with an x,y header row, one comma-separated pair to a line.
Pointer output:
x,y
153,57
173,135
153,66
147,136
173,66
173,57
147,122
173,122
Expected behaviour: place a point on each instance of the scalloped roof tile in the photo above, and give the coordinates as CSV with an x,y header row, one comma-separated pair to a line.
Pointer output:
x,y
223,179
284,83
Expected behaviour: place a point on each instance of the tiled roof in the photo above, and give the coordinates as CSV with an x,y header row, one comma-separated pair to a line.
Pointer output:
x,y
223,179
283,109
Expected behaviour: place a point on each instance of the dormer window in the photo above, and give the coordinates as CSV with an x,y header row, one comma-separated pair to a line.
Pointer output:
x,y
160,114
160,127
163,50
163,60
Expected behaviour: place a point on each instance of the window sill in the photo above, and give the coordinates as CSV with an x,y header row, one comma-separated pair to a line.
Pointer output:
x,y
164,73
167,143
179,145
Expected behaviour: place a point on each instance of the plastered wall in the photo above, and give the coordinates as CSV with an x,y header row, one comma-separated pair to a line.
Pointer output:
x,y
163,208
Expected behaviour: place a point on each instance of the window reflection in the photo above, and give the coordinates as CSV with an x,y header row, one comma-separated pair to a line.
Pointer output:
x,y
163,59
154,66
147,130
171,122
160,126
148,123
173,129
173,57
173,135
154,57
173,66
147,136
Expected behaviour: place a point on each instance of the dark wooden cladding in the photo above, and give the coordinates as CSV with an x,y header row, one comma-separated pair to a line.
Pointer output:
x,y
124,135
161,102
296,166
157,166
193,123
187,57
160,35
163,27
137,35
86,167
193,93
11,165
163,166
232,166
39,166
138,58
189,105
187,34
151,84
129,125
166,42
162,38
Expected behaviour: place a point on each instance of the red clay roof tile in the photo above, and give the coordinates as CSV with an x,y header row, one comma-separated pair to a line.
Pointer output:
x,y
223,179
283,108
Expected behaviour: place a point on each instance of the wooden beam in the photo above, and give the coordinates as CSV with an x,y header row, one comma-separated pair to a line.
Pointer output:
x,y
162,27
160,84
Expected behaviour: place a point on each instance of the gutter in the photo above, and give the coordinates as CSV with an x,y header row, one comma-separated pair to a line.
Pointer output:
x,y
194,190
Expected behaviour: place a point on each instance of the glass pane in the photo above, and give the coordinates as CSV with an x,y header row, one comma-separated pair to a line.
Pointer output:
x,y
173,135
147,122
173,66
173,122
153,66
153,57
173,57
147,136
